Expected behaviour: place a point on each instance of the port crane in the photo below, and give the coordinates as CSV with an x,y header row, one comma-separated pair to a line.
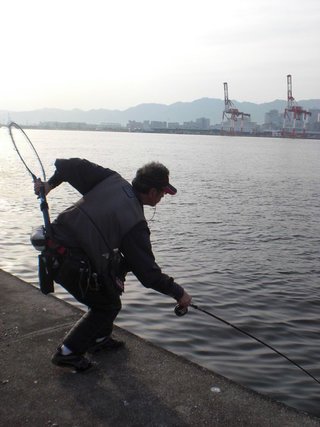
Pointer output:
x,y
230,113
293,112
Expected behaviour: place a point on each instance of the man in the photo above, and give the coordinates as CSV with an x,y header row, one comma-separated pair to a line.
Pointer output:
x,y
97,241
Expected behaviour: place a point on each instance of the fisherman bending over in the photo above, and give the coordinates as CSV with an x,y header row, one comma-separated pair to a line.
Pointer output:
x,y
97,241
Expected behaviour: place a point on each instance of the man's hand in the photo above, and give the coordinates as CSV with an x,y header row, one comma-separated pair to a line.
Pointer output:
x,y
38,184
185,300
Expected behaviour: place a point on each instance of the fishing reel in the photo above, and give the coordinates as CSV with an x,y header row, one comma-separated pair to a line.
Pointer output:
x,y
180,311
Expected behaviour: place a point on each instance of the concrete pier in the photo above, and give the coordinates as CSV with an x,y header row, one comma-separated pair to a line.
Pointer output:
x,y
142,385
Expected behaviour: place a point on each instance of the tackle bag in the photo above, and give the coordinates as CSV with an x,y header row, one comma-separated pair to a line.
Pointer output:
x,y
45,271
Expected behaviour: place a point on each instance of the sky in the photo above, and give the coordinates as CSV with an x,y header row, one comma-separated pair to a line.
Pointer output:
x,y
116,54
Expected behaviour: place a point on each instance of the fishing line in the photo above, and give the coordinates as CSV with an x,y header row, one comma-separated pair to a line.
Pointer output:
x,y
180,311
153,214
26,150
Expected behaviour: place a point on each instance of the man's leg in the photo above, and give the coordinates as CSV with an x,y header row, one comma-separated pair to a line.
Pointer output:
x,y
104,305
96,323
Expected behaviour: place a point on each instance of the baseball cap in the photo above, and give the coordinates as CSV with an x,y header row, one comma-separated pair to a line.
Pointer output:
x,y
169,189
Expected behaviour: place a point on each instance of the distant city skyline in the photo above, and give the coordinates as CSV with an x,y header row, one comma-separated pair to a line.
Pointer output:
x,y
288,123
118,54
181,112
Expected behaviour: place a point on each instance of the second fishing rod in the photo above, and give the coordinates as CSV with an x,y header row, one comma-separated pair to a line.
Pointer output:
x,y
181,311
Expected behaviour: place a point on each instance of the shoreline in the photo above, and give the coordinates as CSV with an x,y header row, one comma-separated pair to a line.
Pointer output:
x,y
96,128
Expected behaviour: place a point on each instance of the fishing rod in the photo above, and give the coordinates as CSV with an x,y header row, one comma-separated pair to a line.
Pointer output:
x,y
181,311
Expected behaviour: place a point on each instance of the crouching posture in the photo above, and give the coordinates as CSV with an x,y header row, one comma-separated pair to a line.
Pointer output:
x,y
97,241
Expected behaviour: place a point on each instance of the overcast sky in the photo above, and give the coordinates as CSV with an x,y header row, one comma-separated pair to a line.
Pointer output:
x,y
119,53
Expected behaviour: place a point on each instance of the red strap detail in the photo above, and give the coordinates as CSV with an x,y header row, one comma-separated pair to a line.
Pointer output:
x,y
58,248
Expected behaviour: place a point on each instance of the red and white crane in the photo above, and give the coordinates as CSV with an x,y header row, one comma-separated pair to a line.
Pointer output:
x,y
230,113
293,112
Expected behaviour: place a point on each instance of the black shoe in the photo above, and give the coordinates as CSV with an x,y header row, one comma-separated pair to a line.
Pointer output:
x,y
77,361
107,344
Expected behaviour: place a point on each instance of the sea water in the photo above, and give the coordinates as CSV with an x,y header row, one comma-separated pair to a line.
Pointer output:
x,y
242,235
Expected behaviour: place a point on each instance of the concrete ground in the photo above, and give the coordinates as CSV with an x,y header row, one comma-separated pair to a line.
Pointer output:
x,y
142,385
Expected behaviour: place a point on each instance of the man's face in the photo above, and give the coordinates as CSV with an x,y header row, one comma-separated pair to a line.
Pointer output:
x,y
154,196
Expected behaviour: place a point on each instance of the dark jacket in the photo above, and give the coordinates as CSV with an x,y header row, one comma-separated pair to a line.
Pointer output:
x,y
135,243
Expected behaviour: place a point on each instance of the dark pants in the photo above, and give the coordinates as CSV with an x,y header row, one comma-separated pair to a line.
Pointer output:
x,y
103,304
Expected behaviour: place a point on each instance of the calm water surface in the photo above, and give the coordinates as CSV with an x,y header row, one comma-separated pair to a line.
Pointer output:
x,y
242,236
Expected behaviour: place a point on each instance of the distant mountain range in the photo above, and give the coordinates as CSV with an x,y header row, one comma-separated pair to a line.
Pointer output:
x,y
180,112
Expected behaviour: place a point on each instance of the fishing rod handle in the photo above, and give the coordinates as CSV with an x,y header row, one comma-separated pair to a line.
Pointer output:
x,y
45,211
